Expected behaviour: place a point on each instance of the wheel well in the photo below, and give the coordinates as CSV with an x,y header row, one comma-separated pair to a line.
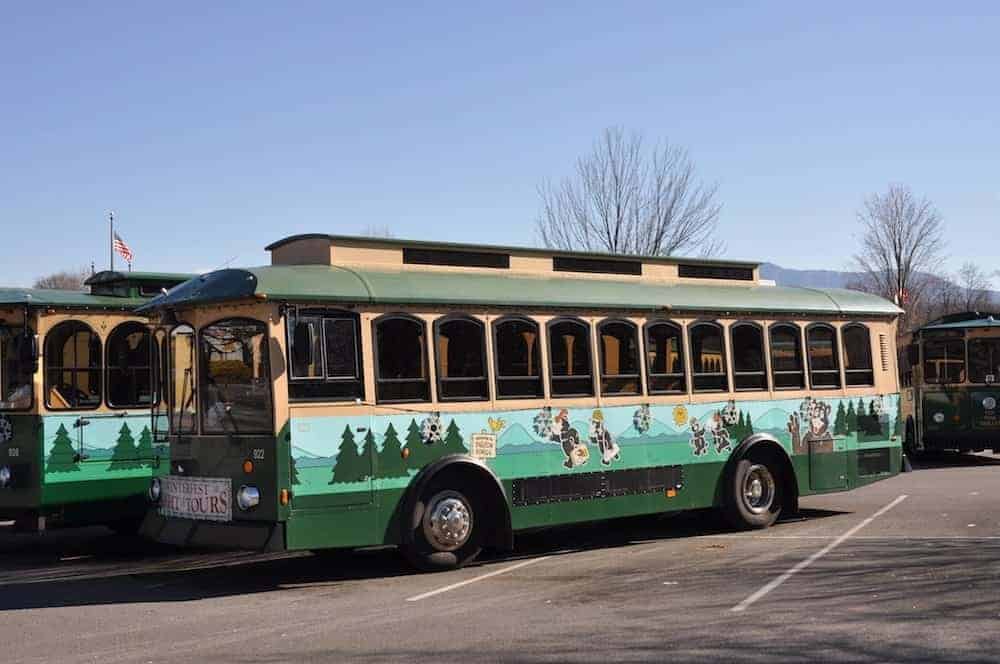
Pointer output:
x,y
479,484
765,449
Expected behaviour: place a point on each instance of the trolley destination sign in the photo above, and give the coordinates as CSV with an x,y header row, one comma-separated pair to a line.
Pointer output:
x,y
206,498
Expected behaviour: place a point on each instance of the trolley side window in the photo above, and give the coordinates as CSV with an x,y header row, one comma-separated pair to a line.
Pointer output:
x,y
944,361
324,350
72,367
984,360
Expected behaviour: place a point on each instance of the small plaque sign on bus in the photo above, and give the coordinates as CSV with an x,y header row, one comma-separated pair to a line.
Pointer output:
x,y
483,445
204,498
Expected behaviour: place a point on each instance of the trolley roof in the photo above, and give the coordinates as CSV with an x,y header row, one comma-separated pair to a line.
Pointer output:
x,y
108,291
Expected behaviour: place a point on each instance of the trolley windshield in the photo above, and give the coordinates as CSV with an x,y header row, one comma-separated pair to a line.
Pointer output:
x,y
17,367
235,377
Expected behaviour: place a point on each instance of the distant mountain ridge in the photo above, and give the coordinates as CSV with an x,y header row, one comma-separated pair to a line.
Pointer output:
x,y
784,276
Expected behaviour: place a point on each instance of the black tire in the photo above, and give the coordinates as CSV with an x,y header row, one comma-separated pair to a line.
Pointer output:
x,y
445,530
754,494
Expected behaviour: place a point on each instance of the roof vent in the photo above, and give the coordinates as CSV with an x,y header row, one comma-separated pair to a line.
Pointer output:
x,y
455,258
728,272
596,265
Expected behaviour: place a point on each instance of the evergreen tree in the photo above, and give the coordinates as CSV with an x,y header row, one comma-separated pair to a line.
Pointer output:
x,y
851,419
125,455
144,451
453,443
62,458
897,429
876,423
840,421
369,457
348,465
390,459
749,425
741,428
294,470
420,454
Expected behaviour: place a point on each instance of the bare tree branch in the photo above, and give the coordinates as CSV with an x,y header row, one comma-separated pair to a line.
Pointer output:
x,y
626,200
64,280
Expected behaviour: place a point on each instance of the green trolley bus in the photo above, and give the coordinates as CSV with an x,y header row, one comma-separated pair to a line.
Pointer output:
x,y
76,390
949,370
443,397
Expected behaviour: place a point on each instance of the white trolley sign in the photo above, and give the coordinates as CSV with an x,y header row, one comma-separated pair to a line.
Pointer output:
x,y
483,445
203,498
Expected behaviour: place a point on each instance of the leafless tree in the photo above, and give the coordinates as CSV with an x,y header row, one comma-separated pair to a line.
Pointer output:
x,y
64,280
901,242
975,288
625,198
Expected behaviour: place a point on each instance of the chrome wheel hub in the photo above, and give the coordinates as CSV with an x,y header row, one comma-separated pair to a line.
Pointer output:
x,y
758,489
447,521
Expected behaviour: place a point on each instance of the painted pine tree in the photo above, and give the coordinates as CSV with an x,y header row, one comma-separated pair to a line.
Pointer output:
x,y
144,450
347,468
840,421
293,469
390,459
897,428
369,457
453,443
851,419
748,427
124,456
419,454
62,458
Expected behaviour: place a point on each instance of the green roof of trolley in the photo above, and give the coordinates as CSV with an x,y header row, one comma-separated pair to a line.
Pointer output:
x,y
337,284
81,299
975,319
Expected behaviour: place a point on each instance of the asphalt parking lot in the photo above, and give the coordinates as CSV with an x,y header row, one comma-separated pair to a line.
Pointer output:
x,y
904,570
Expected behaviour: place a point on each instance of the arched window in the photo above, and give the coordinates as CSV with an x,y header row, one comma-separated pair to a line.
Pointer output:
x,y
181,389
618,341
708,358
749,371
324,351
235,377
786,357
664,359
460,353
401,359
824,363
72,367
518,359
857,355
127,362
569,358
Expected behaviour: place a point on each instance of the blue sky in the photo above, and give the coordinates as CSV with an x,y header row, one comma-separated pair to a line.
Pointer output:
x,y
212,131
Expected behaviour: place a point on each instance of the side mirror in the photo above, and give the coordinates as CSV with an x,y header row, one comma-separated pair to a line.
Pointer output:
x,y
913,354
303,340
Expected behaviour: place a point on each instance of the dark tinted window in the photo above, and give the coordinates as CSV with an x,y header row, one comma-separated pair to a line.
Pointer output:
x,y
324,350
664,359
569,355
748,357
618,342
824,363
129,376
786,357
401,360
72,367
235,377
182,394
461,359
857,355
518,359
708,358
16,369
984,360
944,361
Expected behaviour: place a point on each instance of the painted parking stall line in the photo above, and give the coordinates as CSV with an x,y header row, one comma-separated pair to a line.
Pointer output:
x,y
475,579
801,565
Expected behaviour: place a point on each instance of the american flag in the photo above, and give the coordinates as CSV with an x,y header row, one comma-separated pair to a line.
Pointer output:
x,y
122,249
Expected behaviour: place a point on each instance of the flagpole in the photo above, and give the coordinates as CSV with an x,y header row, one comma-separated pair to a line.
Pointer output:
x,y
111,239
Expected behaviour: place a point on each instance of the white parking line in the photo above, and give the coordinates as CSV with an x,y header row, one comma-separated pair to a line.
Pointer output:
x,y
417,598
801,565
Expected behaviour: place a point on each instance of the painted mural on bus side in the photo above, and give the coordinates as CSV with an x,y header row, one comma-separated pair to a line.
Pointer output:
x,y
337,454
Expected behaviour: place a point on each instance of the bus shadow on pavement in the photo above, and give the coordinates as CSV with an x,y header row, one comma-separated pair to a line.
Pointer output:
x,y
110,569
953,460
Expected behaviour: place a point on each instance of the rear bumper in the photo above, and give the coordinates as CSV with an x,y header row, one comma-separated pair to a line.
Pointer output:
x,y
212,535
961,440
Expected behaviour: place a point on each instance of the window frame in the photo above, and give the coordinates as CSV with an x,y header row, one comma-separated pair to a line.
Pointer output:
x,y
39,362
440,380
640,387
763,357
968,360
871,358
195,378
201,374
377,366
923,360
541,378
325,314
99,369
799,347
590,357
727,386
682,342
149,367
836,349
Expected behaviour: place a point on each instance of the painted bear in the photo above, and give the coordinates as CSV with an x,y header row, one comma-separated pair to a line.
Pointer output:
x,y
817,436
698,444
600,436
720,434
573,447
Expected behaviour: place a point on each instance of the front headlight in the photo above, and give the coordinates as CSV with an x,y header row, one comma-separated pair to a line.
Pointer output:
x,y
248,497
154,490
939,417
4,476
